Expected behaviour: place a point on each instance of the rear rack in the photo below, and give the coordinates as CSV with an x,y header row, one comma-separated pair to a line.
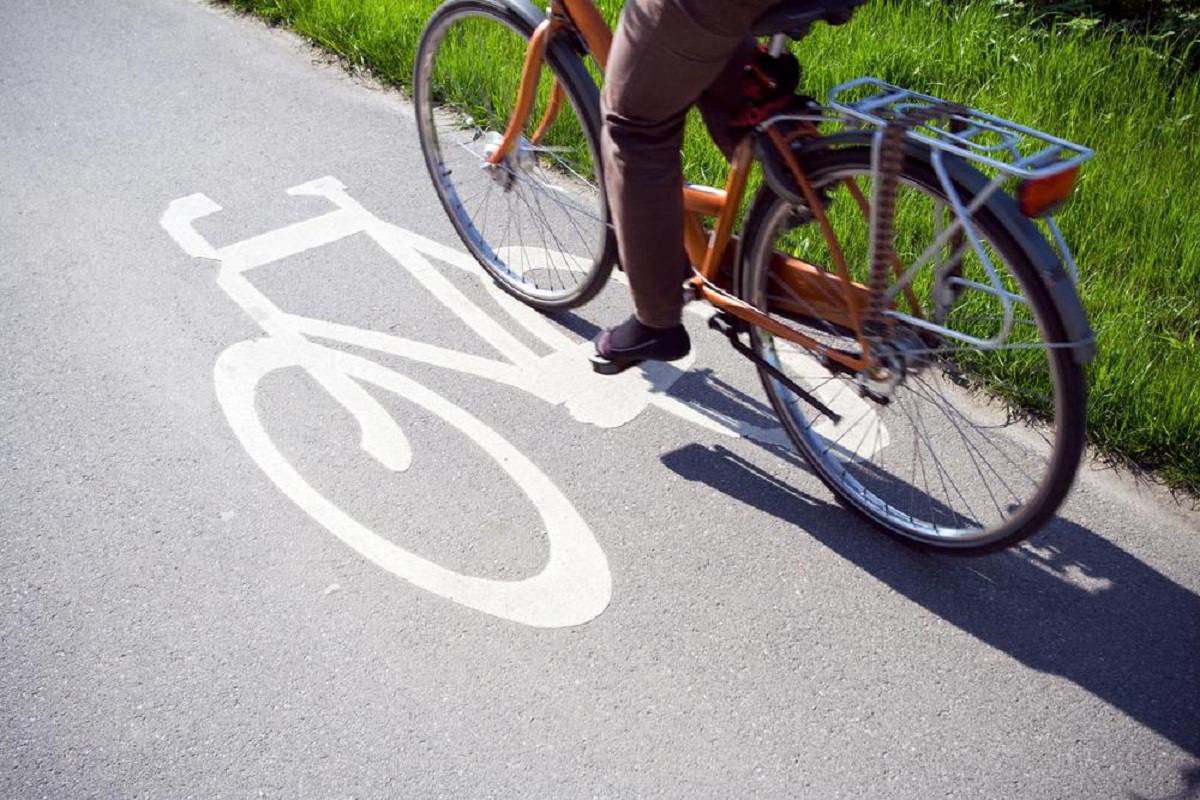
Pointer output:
x,y
1003,149
1002,144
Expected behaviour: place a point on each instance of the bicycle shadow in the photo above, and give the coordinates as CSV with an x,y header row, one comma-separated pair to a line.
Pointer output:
x,y
1190,777
580,326
1071,604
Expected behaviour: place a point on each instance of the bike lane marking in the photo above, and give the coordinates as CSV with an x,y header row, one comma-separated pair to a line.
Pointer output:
x,y
575,584
573,587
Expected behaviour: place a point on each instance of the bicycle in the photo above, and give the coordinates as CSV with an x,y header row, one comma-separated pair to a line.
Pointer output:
x,y
885,260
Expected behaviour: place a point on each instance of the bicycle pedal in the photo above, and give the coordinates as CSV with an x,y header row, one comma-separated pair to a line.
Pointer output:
x,y
604,366
726,324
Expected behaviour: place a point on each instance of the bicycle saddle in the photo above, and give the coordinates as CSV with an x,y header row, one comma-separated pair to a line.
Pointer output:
x,y
796,17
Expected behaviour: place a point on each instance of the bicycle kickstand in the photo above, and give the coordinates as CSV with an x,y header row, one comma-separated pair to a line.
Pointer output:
x,y
732,328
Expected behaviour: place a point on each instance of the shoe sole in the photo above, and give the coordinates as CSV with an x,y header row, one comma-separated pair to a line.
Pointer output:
x,y
605,366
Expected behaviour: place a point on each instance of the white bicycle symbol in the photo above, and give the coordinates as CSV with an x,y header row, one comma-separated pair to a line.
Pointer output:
x,y
575,584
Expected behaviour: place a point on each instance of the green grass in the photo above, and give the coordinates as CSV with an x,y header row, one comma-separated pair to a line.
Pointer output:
x,y
1134,223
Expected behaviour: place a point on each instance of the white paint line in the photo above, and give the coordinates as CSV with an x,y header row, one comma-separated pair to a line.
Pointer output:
x,y
380,436
860,426
398,244
573,587
530,319
421,352
327,186
177,221
448,255
728,426
290,240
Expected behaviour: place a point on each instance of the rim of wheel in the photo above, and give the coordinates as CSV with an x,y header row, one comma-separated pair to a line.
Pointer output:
x,y
535,220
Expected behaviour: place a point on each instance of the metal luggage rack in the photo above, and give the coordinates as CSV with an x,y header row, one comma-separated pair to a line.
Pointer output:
x,y
1009,149
1002,144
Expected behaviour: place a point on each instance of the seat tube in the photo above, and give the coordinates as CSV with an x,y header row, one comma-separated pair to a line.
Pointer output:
x,y
590,24
739,173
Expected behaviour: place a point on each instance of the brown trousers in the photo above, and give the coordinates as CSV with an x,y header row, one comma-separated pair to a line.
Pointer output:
x,y
667,55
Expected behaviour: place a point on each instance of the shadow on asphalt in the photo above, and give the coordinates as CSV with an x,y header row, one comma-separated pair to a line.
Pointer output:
x,y
1071,603
1191,787
583,328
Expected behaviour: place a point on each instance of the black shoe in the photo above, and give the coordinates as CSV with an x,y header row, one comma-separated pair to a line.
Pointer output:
x,y
631,342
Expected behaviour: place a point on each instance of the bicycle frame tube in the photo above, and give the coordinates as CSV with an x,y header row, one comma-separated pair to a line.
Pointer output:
x,y
799,278
557,95
590,24
534,57
818,211
735,189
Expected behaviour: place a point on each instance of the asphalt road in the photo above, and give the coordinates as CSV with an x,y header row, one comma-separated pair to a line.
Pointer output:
x,y
186,613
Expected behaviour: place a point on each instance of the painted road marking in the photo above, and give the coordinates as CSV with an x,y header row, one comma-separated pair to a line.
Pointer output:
x,y
860,434
575,584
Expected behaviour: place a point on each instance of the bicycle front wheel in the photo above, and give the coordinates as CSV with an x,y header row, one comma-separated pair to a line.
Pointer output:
x,y
972,440
537,221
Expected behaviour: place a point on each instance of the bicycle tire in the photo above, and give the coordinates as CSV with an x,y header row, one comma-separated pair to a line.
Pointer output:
x,y
858,475
538,222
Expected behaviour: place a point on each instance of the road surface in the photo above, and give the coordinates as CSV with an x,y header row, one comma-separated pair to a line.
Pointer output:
x,y
211,589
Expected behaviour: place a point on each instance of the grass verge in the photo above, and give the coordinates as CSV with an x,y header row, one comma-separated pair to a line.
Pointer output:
x,y
1134,224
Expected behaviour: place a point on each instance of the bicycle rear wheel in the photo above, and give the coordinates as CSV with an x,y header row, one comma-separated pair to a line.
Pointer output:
x,y
968,447
538,220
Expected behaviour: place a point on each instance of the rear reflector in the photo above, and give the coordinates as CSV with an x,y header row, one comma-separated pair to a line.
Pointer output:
x,y
1041,196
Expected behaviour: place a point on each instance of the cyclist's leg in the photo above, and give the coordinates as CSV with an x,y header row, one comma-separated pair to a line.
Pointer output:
x,y
725,99
665,55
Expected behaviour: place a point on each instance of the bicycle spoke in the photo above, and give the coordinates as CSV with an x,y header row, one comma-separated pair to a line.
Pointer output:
x,y
945,476
546,249
1018,469
543,230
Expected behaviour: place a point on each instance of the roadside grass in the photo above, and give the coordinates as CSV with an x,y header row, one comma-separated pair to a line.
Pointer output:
x,y
1135,221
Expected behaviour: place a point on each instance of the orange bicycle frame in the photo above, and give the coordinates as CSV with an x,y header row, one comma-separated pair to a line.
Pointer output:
x,y
834,297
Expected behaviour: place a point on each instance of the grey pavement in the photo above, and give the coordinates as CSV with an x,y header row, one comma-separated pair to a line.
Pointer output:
x,y
174,626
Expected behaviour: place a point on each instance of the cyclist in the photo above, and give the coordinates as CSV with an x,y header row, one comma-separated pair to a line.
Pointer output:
x,y
667,55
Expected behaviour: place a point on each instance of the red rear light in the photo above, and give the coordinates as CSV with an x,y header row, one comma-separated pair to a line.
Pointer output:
x,y
1041,196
